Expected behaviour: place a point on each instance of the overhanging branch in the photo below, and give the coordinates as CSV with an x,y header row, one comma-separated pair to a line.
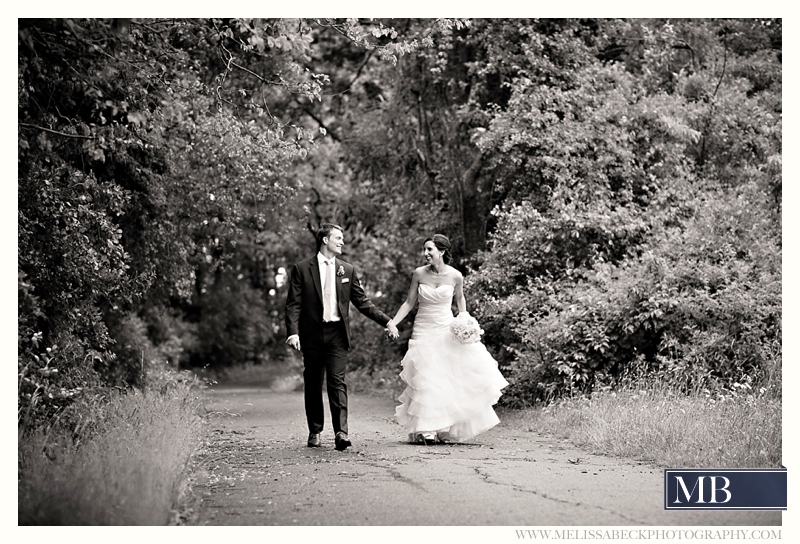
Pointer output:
x,y
57,133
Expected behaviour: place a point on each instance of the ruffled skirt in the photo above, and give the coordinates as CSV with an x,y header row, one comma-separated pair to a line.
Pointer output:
x,y
451,388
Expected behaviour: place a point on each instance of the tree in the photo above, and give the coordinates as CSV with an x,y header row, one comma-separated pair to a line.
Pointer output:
x,y
170,168
612,185
132,169
153,167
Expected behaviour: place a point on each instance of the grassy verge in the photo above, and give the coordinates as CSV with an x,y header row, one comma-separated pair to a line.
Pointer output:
x,y
654,423
122,464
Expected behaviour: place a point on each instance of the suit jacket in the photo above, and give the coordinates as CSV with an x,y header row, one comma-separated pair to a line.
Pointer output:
x,y
304,302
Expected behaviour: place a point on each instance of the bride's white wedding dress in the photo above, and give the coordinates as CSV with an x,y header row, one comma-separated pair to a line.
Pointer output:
x,y
451,387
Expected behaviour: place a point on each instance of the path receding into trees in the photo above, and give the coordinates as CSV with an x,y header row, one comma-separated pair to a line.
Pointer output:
x,y
255,469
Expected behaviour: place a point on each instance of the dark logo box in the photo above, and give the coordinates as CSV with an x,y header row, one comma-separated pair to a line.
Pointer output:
x,y
725,489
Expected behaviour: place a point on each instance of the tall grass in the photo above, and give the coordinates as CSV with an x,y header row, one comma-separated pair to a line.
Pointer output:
x,y
654,422
122,464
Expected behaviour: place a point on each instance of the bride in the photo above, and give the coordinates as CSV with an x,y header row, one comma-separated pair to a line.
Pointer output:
x,y
451,386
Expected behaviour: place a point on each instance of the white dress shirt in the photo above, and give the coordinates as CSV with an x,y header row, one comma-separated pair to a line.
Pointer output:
x,y
323,276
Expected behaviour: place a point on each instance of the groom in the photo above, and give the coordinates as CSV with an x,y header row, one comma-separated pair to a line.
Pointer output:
x,y
318,323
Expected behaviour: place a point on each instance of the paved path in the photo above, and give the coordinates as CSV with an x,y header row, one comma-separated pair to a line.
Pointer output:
x,y
255,469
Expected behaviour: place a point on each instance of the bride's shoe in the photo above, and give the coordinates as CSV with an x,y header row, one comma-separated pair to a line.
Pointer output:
x,y
443,438
424,439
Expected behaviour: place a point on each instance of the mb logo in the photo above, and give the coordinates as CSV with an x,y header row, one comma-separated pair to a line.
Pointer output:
x,y
725,489
715,484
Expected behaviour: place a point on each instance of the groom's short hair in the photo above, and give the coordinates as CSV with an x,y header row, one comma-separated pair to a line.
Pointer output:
x,y
325,232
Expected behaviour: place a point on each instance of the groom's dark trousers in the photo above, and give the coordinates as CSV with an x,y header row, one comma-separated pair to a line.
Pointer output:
x,y
330,358
325,346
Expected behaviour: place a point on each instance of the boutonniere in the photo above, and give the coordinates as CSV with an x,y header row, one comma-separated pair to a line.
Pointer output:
x,y
340,272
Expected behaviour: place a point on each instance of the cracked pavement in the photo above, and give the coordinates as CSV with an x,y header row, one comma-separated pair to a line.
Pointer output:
x,y
255,469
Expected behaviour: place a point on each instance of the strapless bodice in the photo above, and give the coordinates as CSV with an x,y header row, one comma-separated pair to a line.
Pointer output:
x,y
435,295
435,310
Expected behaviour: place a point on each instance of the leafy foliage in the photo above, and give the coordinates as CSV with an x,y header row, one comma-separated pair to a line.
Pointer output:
x,y
135,184
630,236
612,189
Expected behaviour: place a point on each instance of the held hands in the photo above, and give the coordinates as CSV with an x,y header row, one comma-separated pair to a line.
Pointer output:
x,y
391,331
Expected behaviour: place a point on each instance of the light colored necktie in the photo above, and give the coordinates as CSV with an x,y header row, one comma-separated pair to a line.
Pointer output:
x,y
327,292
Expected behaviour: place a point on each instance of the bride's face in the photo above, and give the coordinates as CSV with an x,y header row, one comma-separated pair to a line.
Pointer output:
x,y
432,254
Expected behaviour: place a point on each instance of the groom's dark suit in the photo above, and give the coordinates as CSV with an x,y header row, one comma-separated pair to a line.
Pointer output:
x,y
325,345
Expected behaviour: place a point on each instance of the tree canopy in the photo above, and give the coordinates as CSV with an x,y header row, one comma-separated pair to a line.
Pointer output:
x,y
612,188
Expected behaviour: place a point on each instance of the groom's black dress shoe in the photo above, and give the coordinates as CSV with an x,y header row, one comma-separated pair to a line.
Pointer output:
x,y
313,440
341,441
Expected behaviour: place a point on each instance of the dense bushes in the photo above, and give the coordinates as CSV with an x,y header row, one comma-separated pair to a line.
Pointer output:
x,y
624,174
641,229
700,305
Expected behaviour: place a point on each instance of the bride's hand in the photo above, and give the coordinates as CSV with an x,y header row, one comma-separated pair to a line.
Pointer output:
x,y
392,331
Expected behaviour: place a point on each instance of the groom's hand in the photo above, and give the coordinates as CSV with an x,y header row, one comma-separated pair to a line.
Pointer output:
x,y
294,341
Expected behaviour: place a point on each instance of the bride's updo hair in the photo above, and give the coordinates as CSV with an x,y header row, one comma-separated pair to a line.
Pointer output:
x,y
442,243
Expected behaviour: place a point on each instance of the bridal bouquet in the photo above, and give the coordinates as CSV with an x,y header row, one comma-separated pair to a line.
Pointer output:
x,y
465,329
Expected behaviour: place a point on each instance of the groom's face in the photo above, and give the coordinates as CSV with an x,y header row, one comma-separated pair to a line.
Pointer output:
x,y
335,241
